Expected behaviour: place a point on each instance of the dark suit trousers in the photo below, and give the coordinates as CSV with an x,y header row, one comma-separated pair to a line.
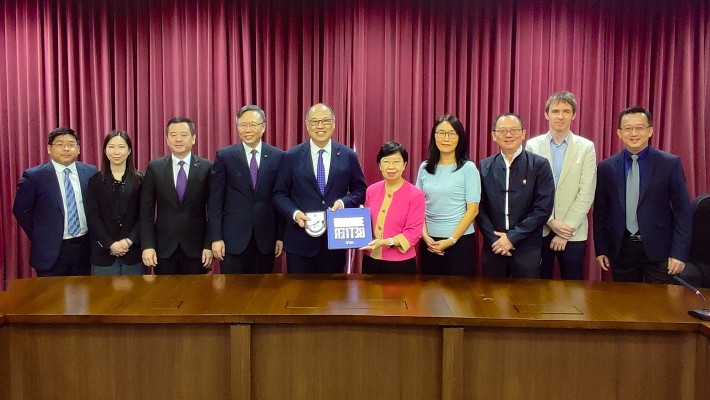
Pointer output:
x,y
325,262
522,264
250,261
179,264
571,259
73,259
633,265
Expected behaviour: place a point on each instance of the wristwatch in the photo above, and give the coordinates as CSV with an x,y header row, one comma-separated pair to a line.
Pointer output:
x,y
452,239
391,243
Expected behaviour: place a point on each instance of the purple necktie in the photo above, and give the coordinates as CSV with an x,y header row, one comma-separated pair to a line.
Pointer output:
x,y
320,174
253,168
181,182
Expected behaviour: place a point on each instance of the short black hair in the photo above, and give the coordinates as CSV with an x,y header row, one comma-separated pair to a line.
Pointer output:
x,y
636,110
509,114
390,148
60,131
179,120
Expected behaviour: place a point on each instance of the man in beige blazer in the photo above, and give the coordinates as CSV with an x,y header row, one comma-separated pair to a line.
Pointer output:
x,y
574,167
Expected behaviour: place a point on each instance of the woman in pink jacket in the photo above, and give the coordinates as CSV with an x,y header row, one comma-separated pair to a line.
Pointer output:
x,y
397,212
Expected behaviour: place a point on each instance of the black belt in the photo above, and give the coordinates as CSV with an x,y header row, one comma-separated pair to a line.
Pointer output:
x,y
75,240
634,238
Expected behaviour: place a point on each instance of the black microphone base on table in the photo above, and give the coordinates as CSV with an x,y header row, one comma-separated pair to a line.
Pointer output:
x,y
703,314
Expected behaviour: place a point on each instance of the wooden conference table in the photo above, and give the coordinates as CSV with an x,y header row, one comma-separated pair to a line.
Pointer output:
x,y
348,337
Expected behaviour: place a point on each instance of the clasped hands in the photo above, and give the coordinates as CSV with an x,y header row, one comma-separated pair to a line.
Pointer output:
x,y
436,246
563,233
503,245
119,248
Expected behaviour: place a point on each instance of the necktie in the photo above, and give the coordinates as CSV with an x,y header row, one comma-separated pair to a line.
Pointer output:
x,y
181,182
320,175
253,168
72,213
632,195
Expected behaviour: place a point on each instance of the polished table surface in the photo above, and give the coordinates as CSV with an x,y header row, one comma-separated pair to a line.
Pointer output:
x,y
368,299
349,337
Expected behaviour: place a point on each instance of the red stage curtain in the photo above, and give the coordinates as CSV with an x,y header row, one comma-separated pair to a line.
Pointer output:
x,y
387,68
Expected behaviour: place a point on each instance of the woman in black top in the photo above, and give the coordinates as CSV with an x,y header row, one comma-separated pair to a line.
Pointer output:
x,y
112,210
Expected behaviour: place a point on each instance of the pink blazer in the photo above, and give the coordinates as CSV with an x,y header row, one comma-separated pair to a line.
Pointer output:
x,y
399,216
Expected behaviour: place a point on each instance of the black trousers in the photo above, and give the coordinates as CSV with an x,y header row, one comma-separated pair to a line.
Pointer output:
x,y
459,259
179,264
524,263
73,259
250,261
633,265
373,266
325,262
570,260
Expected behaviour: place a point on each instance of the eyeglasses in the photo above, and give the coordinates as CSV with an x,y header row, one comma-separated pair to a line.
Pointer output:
x,y
513,131
62,145
444,134
631,129
324,121
252,125
387,163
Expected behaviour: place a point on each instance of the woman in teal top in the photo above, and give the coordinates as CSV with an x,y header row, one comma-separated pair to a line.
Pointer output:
x,y
452,187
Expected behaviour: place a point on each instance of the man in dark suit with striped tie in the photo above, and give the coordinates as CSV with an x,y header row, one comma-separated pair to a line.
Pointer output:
x,y
173,214
49,207
245,229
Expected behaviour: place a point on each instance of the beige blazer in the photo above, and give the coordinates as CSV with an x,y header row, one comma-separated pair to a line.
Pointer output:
x,y
574,194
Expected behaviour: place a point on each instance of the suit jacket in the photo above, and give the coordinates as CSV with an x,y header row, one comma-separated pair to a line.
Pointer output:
x,y
166,222
236,209
664,212
39,209
530,199
297,189
574,193
112,214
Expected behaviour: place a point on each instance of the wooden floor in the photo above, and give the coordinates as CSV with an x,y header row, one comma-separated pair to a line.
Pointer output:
x,y
348,337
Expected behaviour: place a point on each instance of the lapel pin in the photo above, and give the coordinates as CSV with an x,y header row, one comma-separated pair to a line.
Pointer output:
x,y
525,181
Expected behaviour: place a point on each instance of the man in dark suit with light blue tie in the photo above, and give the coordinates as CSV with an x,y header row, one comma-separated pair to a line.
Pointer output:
x,y
50,208
173,216
642,213
245,228
314,176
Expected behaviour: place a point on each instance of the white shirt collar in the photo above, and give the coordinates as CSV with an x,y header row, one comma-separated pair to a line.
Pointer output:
x,y
328,147
177,160
60,168
248,149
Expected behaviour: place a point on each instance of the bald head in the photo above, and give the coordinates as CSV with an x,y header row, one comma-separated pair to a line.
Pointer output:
x,y
320,123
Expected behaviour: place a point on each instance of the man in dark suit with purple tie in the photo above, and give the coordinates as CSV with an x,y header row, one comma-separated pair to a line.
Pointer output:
x,y
314,176
50,208
642,213
245,229
173,214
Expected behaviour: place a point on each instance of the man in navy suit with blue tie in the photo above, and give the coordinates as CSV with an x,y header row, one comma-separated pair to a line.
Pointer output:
x,y
642,213
49,207
245,229
314,176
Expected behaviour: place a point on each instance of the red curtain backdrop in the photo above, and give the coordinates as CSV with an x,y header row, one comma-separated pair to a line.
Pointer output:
x,y
388,69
